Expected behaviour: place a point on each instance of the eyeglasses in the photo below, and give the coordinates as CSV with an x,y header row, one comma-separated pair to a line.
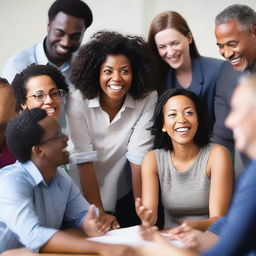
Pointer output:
x,y
58,135
41,96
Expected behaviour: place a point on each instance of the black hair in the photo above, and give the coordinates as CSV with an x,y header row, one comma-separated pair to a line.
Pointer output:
x,y
86,67
3,81
75,8
20,81
23,132
162,139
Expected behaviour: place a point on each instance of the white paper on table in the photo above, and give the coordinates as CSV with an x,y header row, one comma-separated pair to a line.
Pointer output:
x,y
129,236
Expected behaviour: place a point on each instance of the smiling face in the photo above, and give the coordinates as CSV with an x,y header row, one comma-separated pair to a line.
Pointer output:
x,y
54,143
235,45
242,118
173,47
42,84
65,34
115,78
180,119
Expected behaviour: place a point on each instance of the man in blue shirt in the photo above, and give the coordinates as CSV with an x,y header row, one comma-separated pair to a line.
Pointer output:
x,y
39,202
68,20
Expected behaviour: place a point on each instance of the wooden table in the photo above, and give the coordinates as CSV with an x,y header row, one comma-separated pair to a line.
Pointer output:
x,y
61,254
26,252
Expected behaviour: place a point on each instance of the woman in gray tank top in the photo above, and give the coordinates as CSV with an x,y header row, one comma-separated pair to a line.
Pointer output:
x,y
193,176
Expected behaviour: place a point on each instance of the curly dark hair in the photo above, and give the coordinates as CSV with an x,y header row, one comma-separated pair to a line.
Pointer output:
x,y
86,66
20,81
23,132
162,139
75,8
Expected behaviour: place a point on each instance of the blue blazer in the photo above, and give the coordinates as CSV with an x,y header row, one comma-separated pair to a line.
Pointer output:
x,y
205,72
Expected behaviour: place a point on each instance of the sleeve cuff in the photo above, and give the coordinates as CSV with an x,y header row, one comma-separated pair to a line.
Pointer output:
x,y
45,236
84,157
134,158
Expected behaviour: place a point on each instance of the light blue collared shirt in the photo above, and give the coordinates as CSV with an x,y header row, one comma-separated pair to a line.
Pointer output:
x,y
31,211
33,54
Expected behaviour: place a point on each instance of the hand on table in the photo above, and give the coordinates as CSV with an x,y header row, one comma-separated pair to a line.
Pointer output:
x,y
191,238
144,213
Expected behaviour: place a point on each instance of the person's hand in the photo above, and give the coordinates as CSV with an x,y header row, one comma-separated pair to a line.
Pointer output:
x,y
149,233
191,238
108,221
144,213
94,225
118,250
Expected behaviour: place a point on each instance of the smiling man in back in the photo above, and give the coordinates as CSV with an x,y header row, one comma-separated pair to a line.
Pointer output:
x,y
68,20
235,31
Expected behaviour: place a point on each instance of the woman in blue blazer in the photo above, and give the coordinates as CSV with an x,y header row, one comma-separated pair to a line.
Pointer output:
x,y
178,62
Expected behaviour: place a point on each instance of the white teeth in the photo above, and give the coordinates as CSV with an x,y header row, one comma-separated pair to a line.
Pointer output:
x,y
62,50
116,87
182,129
50,110
235,60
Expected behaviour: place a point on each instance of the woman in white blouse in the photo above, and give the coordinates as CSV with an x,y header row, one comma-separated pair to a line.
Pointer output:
x,y
108,117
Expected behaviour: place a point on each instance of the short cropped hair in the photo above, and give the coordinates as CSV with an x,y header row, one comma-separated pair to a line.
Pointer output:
x,y
20,81
243,14
86,67
162,139
23,132
3,81
75,8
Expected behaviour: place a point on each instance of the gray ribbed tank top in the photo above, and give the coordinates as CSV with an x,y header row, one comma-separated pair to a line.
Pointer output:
x,y
184,194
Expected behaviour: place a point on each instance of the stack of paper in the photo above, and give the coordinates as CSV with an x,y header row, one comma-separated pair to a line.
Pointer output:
x,y
130,236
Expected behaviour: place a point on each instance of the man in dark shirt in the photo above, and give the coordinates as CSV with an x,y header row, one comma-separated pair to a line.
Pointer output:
x,y
235,31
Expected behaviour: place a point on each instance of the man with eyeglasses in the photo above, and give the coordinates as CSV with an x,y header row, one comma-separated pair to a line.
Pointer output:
x,y
38,200
7,111
68,20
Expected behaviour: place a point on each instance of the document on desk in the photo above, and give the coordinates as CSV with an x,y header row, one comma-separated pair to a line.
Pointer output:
x,y
130,236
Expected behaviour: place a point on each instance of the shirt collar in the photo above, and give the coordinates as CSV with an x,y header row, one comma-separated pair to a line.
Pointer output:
x,y
42,59
253,69
129,102
33,171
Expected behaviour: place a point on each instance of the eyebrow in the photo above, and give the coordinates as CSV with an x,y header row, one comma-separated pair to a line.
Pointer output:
x,y
73,34
171,109
125,66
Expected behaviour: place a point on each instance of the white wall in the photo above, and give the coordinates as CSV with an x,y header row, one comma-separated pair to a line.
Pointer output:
x,y
23,22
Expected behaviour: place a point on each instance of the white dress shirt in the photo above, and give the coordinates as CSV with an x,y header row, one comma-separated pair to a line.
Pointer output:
x,y
109,144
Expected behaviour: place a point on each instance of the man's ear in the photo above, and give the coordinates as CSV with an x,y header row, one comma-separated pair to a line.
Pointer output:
x,y
254,31
37,151
48,27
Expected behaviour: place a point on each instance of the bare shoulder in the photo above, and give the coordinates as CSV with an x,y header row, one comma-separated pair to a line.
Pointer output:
x,y
149,157
220,157
220,151
149,161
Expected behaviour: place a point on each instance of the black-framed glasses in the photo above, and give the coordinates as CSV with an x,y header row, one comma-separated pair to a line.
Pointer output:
x,y
58,135
54,94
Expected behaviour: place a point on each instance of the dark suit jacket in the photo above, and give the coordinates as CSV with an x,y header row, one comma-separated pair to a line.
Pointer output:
x,y
205,72
226,83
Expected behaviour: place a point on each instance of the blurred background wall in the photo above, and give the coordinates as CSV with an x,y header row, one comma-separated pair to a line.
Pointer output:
x,y
24,22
